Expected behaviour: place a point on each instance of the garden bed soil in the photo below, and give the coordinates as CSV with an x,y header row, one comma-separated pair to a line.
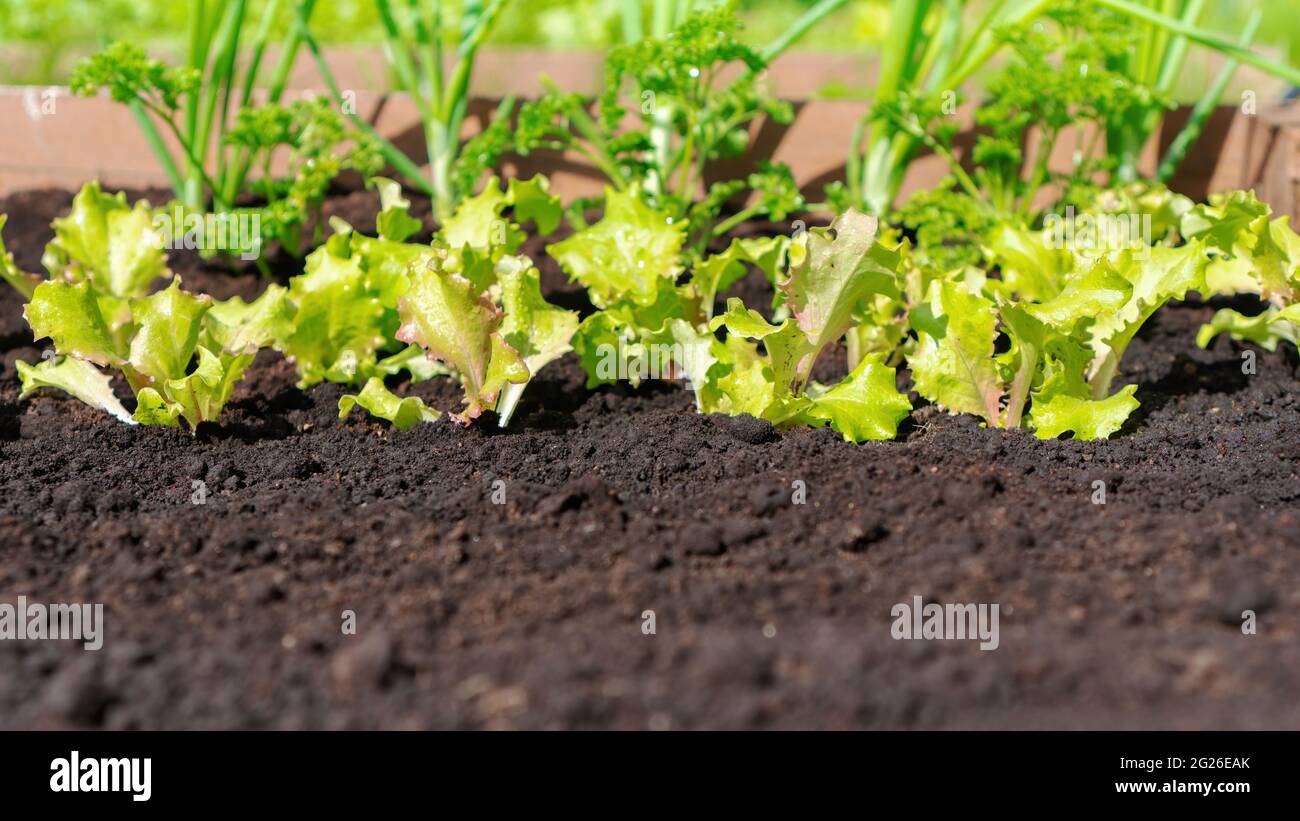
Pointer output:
x,y
767,613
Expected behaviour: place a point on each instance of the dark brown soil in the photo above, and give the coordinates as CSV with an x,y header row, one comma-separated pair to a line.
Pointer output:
x,y
768,613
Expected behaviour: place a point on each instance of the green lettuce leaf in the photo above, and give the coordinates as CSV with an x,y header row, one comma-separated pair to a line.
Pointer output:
x,y
1033,268
598,341
537,330
533,202
745,383
1064,402
953,364
1265,330
1108,302
1055,414
480,224
342,320
786,344
1251,253
23,282
455,323
69,315
152,409
76,377
168,325
394,222
865,406
383,403
716,273
201,394
832,272
108,242
237,327
630,254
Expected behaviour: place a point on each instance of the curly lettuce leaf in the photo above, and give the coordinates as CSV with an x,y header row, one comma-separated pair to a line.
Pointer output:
x,y
480,223
716,273
533,201
1064,402
865,406
341,321
168,324
832,272
598,344
402,412
1230,222
537,330
76,377
1087,419
1033,268
237,326
1155,277
1107,303
630,254
394,222
108,242
23,282
953,364
69,315
1251,253
786,344
745,383
460,326
477,223
1266,330
152,409
201,395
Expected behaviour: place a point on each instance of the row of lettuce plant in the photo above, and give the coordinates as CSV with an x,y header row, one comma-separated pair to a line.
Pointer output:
x,y
1039,346
971,286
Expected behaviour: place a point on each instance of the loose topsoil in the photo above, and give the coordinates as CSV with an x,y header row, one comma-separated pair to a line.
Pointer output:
x,y
766,613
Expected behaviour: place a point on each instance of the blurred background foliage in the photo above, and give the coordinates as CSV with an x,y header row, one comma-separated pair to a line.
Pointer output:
x,y
40,40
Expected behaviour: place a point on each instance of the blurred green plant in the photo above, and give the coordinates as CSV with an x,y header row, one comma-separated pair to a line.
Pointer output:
x,y
417,38
207,107
933,49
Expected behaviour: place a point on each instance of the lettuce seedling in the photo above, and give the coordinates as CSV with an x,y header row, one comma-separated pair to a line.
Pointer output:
x,y
105,242
881,321
466,304
345,307
181,354
1062,354
956,365
346,301
1251,253
493,345
491,224
832,271
630,262
1109,301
